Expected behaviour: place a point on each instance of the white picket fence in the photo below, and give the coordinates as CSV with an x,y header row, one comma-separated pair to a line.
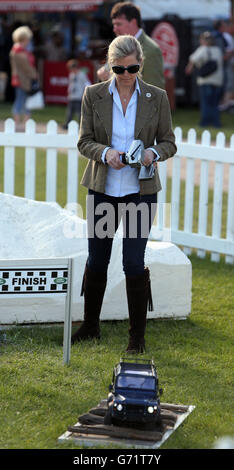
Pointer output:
x,y
204,152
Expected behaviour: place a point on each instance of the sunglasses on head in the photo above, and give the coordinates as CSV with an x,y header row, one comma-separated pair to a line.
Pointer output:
x,y
120,69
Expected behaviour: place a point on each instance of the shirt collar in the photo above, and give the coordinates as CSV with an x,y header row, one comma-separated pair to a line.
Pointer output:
x,y
112,86
137,35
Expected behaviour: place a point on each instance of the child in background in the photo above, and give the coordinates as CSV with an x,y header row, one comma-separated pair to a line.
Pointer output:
x,y
77,82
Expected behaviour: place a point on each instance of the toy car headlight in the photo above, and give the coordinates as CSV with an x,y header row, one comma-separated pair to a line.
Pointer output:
x,y
119,407
150,409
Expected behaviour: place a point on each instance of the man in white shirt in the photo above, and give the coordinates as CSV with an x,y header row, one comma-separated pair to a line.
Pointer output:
x,y
210,86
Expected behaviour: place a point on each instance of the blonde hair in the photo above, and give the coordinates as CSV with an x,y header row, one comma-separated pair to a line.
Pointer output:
x,y
21,33
123,46
208,38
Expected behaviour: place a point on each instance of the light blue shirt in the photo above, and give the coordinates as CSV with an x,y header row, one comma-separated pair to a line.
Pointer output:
x,y
124,181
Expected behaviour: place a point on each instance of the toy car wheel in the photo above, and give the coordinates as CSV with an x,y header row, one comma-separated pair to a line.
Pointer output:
x,y
108,418
158,420
149,426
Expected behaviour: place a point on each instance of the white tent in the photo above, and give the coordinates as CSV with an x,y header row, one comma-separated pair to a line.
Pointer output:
x,y
212,9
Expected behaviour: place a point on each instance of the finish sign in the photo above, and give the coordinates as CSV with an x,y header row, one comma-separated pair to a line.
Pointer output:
x,y
36,281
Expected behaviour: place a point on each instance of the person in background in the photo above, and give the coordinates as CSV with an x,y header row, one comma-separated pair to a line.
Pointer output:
x,y
114,113
225,41
23,71
54,48
77,82
228,96
126,19
219,36
210,87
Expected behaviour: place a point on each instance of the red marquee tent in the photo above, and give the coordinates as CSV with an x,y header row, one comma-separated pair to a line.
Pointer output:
x,y
48,5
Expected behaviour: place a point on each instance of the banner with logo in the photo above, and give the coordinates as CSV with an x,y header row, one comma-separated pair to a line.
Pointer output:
x,y
56,80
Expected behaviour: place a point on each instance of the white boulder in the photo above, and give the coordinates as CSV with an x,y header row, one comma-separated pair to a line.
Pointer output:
x,y
33,230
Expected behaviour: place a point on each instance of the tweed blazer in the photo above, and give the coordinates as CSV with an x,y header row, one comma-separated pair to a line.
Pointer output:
x,y
152,72
153,122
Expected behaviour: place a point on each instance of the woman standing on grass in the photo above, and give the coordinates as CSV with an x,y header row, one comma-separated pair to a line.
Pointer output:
x,y
114,113
23,71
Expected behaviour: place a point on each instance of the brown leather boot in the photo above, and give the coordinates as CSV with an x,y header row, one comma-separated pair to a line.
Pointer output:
x,y
93,288
139,298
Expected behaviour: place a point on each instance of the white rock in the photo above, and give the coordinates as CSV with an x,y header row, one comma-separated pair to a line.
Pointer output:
x,y
31,229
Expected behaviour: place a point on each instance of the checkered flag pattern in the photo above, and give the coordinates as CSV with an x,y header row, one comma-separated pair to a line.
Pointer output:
x,y
33,281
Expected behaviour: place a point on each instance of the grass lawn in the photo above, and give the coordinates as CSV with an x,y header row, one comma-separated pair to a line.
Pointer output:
x,y
189,118
39,397
185,118
82,192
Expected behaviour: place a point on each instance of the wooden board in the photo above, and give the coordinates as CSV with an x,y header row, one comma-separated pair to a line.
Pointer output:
x,y
90,429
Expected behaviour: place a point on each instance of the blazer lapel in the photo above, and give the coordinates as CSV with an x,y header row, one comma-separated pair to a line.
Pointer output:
x,y
103,107
145,108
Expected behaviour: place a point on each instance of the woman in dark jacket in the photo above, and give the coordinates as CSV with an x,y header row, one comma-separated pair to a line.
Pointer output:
x,y
114,114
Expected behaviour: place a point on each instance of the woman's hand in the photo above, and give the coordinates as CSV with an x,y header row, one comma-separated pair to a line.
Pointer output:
x,y
113,159
148,157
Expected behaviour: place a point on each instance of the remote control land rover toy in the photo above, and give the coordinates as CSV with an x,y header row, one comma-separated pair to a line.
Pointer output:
x,y
134,394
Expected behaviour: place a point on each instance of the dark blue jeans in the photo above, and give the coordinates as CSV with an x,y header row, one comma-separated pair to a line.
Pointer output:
x,y
104,214
209,100
19,101
73,108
